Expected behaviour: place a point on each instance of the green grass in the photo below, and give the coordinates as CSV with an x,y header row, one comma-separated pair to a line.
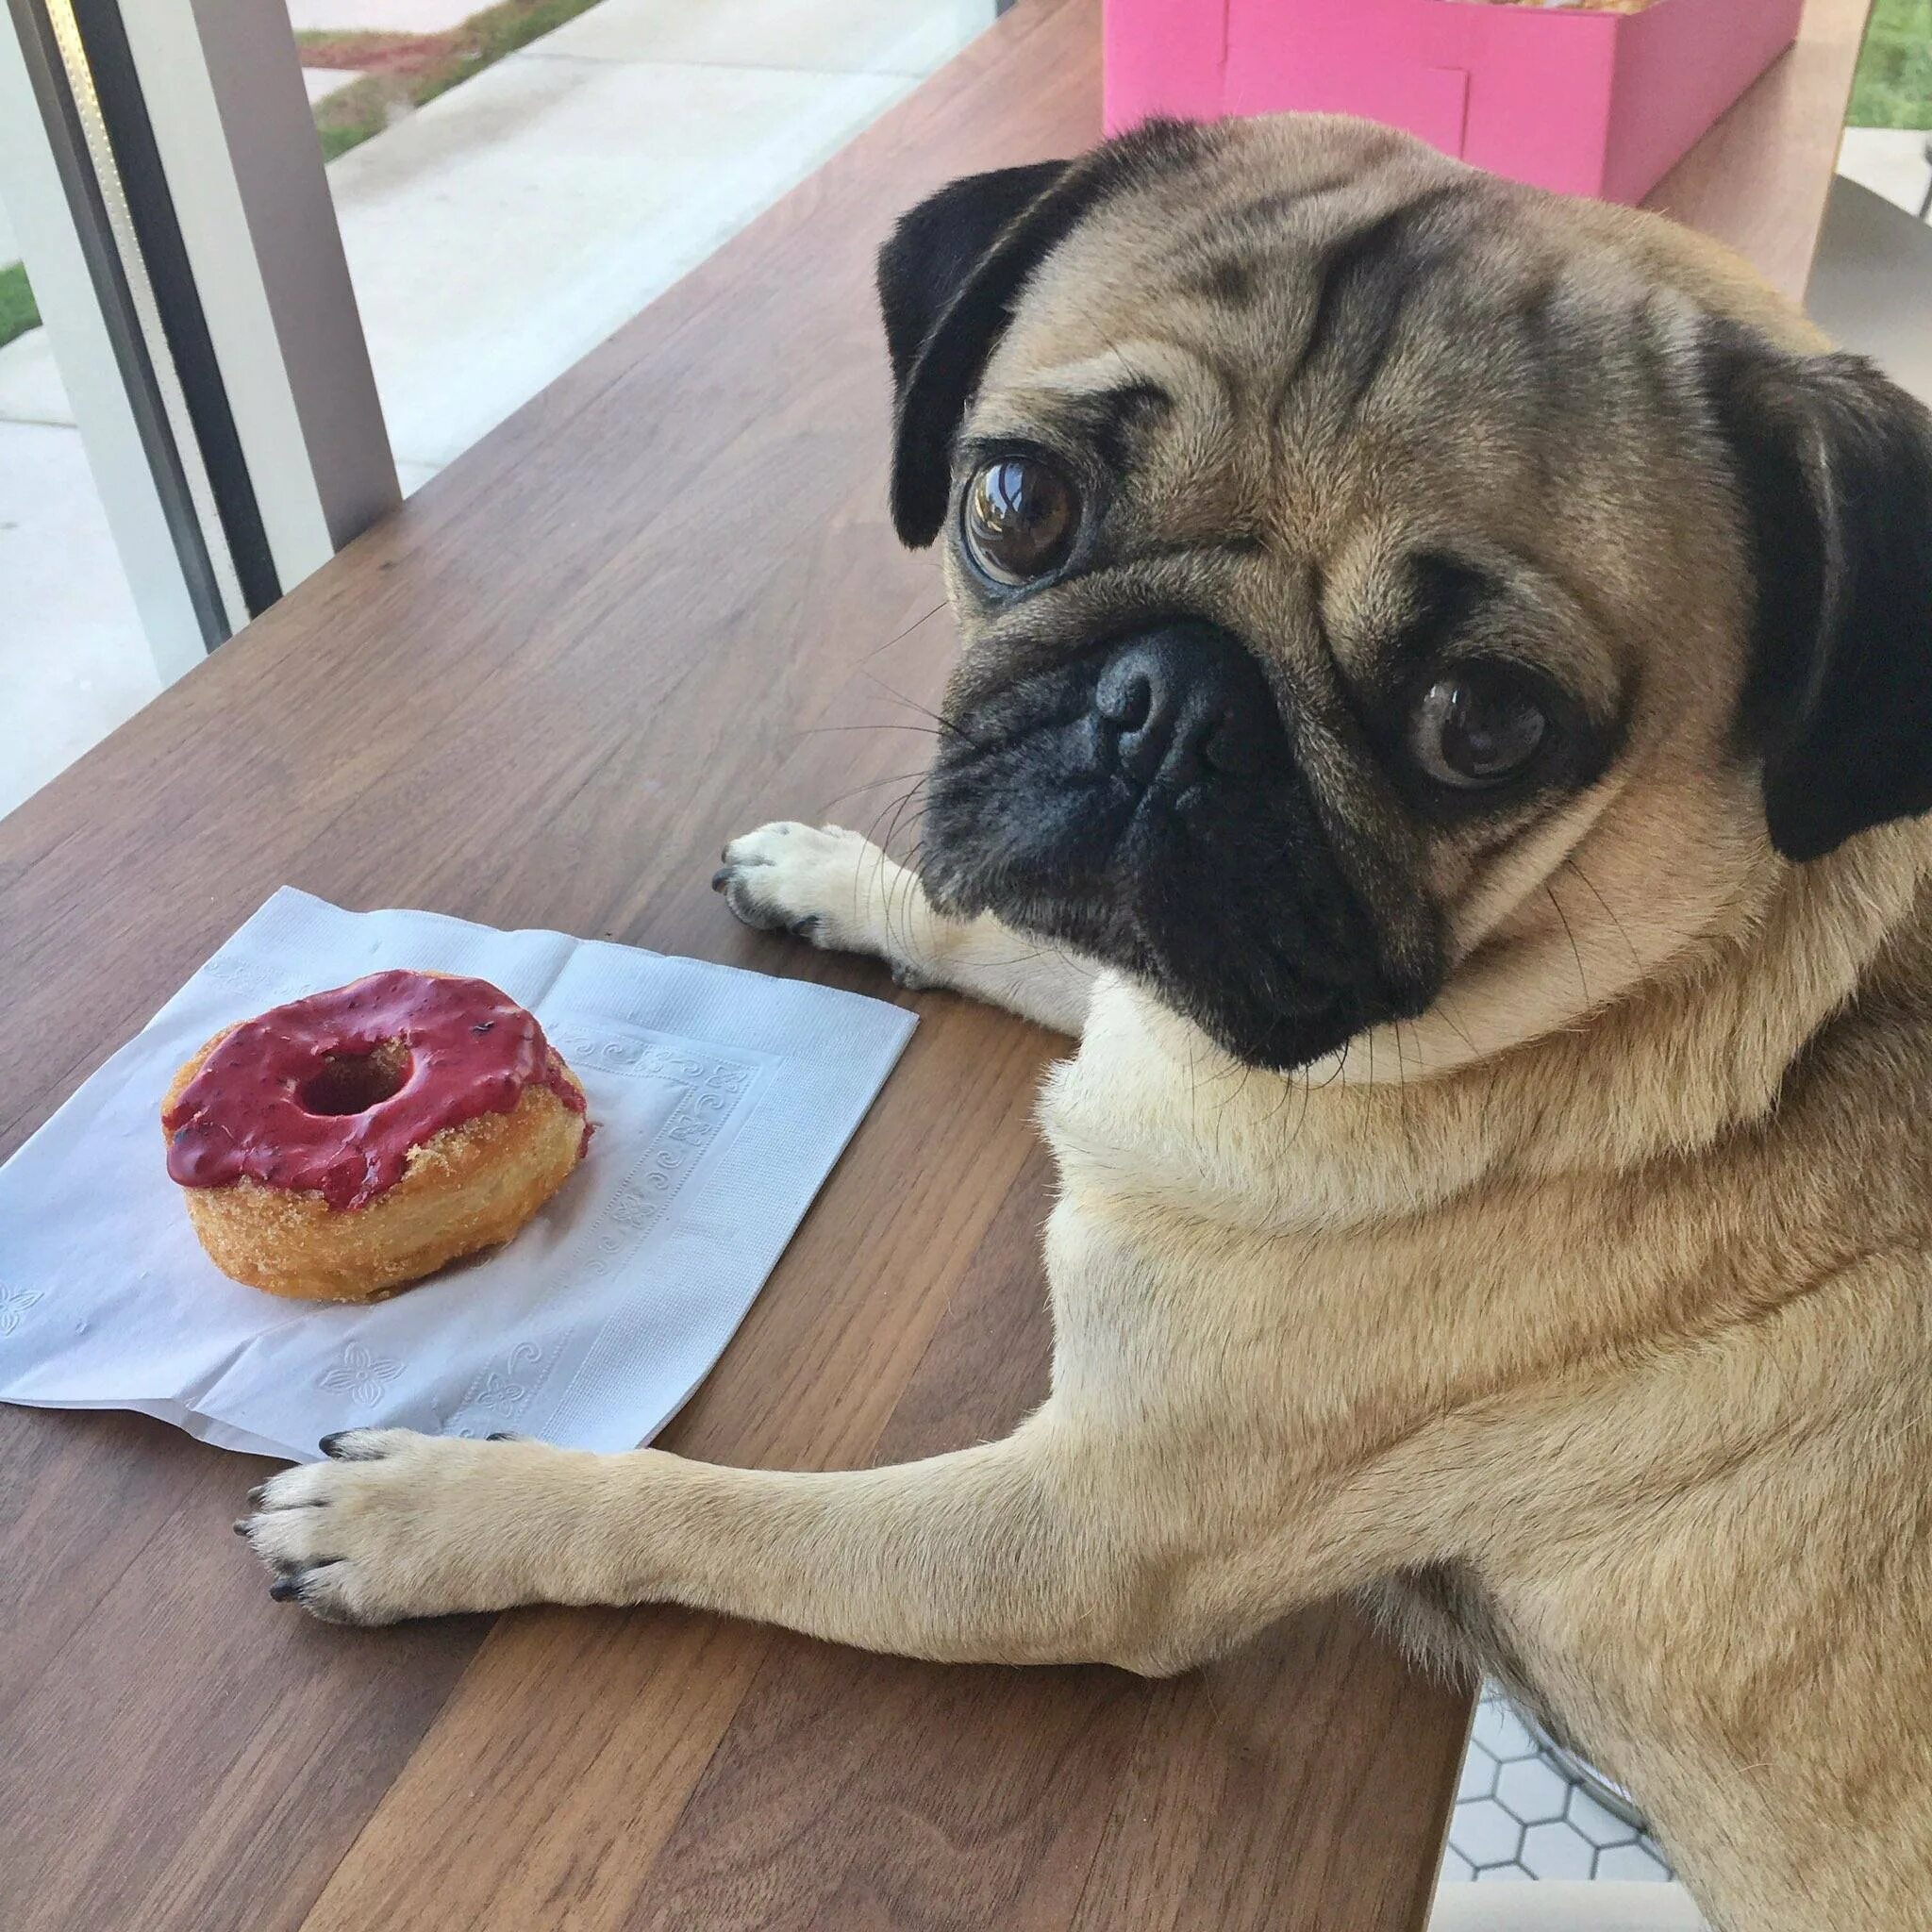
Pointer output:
x,y
17,311
349,117
1894,84
486,38
330,43
401,72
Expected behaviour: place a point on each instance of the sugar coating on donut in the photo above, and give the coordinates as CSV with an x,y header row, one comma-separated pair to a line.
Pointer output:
x,y
345,1147
329,1095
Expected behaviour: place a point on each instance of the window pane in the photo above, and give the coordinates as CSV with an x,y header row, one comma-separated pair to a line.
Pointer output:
x,y
513,185
74,659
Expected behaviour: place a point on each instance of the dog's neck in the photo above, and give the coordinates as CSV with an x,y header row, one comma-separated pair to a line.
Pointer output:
x,y
1701,1048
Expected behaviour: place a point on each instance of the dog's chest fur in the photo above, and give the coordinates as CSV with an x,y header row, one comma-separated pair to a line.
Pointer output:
x,y
1635,1382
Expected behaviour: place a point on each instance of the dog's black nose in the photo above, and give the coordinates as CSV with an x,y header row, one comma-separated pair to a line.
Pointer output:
x,y
1180,703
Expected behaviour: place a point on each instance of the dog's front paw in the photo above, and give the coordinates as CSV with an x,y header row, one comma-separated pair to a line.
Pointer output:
x,y
823,884
398,1524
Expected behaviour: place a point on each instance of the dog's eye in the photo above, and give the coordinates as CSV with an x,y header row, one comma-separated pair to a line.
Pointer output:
x,y
1022,516
1477,727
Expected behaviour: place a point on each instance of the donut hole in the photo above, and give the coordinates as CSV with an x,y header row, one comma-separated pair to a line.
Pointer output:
x,y
354,1082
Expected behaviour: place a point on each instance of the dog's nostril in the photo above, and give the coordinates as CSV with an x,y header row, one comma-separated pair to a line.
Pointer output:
x,y
1177,705
1125,697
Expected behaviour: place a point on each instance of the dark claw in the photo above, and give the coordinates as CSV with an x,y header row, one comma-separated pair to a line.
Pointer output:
x,y
501,1436
283,1588
241,1525
257,1493
721,878
328,1444
803,929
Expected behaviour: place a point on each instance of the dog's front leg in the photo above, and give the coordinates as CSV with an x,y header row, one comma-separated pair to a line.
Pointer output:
x,y
1005,1551
841,893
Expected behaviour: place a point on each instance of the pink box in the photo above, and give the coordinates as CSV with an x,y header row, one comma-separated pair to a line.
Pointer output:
x,y
1587,101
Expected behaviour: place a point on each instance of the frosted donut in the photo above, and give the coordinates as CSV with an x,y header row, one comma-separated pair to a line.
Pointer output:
x,y
346,1144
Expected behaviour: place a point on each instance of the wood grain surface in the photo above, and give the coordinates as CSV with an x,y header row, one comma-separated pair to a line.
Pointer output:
x,y
658,605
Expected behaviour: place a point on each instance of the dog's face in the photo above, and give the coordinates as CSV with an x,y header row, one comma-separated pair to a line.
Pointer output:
x,y
1386,598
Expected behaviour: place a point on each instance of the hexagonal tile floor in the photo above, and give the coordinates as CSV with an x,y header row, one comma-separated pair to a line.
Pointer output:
x,y
1520,1815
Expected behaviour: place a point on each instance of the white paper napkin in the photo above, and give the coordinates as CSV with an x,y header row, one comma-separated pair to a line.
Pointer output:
x,y
722,1099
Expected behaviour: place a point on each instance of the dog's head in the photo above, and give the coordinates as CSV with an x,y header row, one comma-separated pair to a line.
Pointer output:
x,y
1385,590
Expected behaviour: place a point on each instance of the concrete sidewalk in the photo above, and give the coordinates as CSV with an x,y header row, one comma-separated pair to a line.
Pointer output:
x,y
495,237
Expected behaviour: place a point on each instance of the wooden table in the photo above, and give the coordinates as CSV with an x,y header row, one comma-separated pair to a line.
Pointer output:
x,y
658,605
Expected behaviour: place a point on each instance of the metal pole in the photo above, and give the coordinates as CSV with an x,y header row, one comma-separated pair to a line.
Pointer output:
x,y
81,289
160,163
236,137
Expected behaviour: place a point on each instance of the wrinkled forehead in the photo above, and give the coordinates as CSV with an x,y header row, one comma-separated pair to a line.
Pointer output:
x,y
1345,316
1265,221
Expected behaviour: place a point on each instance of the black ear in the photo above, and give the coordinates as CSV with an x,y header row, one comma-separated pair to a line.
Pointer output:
x,y
951,276
935,248
1834,467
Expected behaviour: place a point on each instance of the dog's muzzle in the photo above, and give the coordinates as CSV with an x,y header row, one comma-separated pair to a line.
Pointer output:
x,y
1141,802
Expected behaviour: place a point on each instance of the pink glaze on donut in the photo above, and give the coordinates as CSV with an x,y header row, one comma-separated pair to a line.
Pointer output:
x,y
458,1048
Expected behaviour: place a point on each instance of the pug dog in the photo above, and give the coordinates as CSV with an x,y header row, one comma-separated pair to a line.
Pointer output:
x,y
1447,668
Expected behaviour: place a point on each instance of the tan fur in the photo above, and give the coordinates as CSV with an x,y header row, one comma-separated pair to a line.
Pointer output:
x,y
1581,1325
